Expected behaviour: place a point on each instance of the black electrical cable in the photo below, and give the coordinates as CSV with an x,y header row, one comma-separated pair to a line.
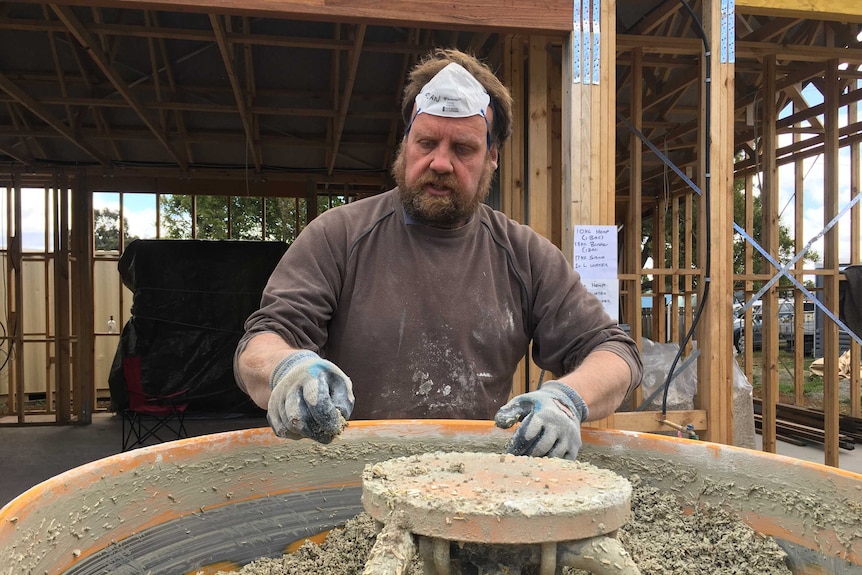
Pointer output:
x,y
705,198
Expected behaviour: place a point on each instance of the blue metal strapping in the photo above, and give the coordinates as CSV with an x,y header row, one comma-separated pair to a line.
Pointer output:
x,y
783,270
667,161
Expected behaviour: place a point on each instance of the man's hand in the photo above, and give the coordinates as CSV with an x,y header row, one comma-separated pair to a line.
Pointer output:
x,y
550,421
311,397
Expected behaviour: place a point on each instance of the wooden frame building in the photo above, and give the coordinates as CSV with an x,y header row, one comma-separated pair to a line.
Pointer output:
x,y
629,113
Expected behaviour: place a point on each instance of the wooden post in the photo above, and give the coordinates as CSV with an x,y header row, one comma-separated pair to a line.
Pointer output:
x,y
688,258
633,223
830,263
539,135
84,347
676,286
715,376
589,125
512,176
589,120
799,314
16,313
855,258
769,197
62,328
748,350
512,154
659,282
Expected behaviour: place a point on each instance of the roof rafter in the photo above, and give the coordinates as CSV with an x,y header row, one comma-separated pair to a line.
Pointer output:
x,y
225,49
37,108
17,156
346,95
67,16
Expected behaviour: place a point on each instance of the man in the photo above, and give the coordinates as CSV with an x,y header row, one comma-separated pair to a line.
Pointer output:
x,y
423,299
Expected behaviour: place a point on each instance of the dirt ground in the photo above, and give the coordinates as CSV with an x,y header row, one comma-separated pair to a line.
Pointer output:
x,y
662,538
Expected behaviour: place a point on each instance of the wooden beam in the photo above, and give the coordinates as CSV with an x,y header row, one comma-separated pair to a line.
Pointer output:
x,y
276,141
251,92
855,256
632,231
83,36
346,96
58,69
227,56
212,186
772,28
657,16
840,10
62,349
539,135
830,263
798,315
528,16
83,347
714,338
15,299
24,158
771,210
167,66
650,421
604,124
744,49
512,177
103,125
37,108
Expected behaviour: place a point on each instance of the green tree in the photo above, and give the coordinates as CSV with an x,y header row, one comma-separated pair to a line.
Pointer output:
x,y
237,217
106,230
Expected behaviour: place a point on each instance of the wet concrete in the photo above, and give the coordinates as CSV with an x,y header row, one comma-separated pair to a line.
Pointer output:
x,y
497,498
31,454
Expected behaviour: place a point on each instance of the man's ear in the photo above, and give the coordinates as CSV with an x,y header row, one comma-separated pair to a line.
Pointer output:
x,y
495,154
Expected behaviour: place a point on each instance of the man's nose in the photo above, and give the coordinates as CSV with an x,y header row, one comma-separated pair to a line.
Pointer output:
x,y
441,160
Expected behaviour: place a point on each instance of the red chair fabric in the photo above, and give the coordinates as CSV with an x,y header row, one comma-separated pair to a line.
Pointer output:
x,y
150,419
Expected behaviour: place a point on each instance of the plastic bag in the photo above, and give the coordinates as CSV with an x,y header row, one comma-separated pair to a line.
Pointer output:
x,y
657,359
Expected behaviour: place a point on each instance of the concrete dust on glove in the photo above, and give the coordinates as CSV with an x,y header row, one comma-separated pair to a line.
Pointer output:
x,y
311,397
550,421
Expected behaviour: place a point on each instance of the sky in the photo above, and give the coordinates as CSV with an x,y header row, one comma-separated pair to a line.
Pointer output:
x,y
813,222
139,209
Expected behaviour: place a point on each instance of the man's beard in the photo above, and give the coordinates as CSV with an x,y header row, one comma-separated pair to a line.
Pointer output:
x,y
450,211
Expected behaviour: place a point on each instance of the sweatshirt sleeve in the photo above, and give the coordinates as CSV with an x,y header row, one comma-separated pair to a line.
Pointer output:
x,y
568,321
300,296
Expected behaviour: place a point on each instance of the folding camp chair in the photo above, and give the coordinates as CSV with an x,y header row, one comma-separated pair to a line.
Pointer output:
x,y
150,419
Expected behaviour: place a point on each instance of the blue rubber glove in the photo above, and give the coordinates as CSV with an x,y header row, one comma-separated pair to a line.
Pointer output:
x,y
311,397
550,421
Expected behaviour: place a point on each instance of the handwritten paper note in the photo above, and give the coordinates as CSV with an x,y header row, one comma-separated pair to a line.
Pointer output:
x,y
595,258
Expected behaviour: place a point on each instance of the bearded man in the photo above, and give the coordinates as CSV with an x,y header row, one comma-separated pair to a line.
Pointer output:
x,y
421,301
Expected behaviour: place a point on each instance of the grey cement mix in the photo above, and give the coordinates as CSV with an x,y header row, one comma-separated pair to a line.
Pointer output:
x,y
32,454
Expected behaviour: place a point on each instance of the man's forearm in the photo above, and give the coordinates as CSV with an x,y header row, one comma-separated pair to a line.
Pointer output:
x,y
602,380
255,364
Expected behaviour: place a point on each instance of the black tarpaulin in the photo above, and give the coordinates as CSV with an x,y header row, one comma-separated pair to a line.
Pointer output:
x,y
851,300
191,299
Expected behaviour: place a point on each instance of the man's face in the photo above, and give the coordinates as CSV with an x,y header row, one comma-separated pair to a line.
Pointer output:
x,y
444,169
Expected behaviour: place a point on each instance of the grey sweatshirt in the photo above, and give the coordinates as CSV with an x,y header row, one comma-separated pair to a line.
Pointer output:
x,y
431,323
